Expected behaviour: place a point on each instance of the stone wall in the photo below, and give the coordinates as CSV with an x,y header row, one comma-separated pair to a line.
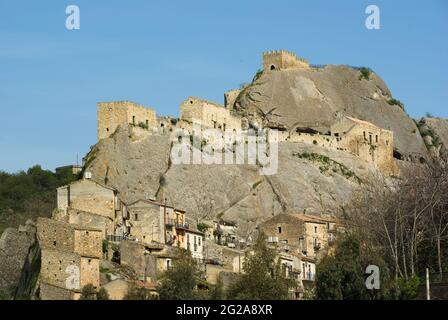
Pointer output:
x,y
88,243
147,222
54,265
55,235
49,292
280,60
113,114
207,114
285,227
92,220
64,247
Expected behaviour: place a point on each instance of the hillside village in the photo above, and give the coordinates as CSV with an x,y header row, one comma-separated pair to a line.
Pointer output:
x,y
103,235
92,227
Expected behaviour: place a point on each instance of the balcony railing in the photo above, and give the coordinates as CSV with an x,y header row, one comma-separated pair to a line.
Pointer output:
x,y
182,225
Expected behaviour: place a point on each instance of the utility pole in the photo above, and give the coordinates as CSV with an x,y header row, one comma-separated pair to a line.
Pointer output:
x,y
428,295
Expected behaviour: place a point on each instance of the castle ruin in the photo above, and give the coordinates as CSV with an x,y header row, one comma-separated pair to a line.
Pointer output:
x,y
282,60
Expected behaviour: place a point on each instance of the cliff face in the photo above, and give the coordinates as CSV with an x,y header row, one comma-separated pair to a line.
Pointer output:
x,y
15,250
315,98
309,178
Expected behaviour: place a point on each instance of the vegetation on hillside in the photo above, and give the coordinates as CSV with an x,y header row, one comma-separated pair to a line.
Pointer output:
x,y
30,194
406,223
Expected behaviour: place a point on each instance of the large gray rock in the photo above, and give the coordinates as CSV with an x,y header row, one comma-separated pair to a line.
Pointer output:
x,y
15,245
315,98
235,193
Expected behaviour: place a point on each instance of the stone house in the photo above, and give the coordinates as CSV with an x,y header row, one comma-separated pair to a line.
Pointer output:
x,y
150,220
70,258
113,114
148,260
91,204
367,141
308,234
308,272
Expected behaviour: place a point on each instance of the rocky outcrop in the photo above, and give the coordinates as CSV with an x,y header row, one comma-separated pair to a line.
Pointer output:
x,y
238,193
15,248
435,135
317,97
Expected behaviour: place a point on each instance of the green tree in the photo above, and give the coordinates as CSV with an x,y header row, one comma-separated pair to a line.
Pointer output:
x,y
88,292
138,293
341,276
179,282
263,278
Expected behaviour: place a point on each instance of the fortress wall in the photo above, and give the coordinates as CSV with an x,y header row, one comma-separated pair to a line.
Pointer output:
x,y
113,114
138,114
110,116
278,60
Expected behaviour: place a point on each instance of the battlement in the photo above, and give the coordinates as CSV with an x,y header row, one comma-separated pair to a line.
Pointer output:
x,y
282,59
120,104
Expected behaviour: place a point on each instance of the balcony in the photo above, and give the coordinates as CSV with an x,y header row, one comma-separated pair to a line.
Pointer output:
x,y
182,226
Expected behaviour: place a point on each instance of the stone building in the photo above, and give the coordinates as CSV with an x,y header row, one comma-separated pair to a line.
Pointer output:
x,y
148,260
91,204
367,141
358,137
308,234
70,259
73,168
207,114
113,114
150,220
282,59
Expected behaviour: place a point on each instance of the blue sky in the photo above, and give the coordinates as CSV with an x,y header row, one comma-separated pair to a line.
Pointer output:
x,y
158,53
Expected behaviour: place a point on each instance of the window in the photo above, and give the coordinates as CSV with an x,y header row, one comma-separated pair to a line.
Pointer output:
x,y
279,229
133,120
136,217
376,138
199,240
315,229
364,134
370,138
54,243
272,67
